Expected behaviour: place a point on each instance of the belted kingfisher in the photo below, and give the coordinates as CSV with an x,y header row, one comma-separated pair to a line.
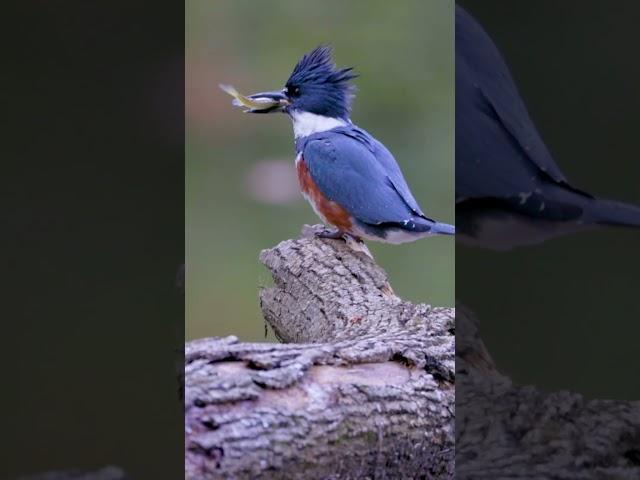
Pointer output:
x,y
509,190
351,180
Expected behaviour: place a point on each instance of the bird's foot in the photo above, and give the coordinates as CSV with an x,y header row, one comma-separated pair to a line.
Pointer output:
x,y
332,233
336,234
354,242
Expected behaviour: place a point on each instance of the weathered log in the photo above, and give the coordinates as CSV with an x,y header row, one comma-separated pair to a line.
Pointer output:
x,y
504,430
366,392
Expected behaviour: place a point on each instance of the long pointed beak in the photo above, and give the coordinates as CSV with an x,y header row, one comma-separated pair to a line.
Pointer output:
x,y
264,102
268,102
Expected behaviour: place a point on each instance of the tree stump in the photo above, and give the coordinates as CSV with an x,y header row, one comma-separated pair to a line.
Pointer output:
x,y
362,387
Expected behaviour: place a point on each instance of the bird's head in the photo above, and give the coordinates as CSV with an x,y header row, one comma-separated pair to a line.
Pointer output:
x,y
315,86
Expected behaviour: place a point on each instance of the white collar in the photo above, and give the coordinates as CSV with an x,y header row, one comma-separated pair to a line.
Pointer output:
x,y
306,123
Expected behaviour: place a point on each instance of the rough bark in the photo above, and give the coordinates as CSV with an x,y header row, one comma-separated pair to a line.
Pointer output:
x,y
365,392
504,430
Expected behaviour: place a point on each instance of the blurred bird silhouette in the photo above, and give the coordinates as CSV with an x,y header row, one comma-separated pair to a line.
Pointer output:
x,y
509,190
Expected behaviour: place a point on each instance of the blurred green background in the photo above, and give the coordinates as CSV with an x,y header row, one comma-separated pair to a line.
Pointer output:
x,y
241,191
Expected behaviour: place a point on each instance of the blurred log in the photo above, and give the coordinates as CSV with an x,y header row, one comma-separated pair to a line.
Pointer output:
x,y
504,430
367,390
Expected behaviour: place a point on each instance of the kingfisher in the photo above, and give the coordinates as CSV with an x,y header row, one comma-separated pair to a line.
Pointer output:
x,y
352,181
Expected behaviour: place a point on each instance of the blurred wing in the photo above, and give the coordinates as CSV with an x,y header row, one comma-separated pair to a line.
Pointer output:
x,y
347,171
499,152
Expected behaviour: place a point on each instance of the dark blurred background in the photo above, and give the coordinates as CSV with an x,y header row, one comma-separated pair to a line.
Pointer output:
x,y
564,314
92,230
241,191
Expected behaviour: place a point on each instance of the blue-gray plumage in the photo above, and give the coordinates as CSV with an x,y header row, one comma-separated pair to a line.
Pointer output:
x,y
351,179
509,190
355,170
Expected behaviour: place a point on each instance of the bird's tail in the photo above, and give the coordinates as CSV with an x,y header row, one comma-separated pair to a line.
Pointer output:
x,y
609,212
443,229
410,230
426,227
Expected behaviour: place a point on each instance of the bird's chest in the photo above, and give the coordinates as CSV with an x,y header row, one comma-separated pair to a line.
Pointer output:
x,y
329,211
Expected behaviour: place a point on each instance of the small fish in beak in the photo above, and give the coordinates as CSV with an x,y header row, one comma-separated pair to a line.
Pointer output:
x,y
266,102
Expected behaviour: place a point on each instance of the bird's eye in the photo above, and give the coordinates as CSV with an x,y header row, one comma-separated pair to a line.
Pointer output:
x,y
292,91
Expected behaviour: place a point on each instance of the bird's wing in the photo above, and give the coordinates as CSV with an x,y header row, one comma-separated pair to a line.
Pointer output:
x,y
388,162
395,176
349,172
499,152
